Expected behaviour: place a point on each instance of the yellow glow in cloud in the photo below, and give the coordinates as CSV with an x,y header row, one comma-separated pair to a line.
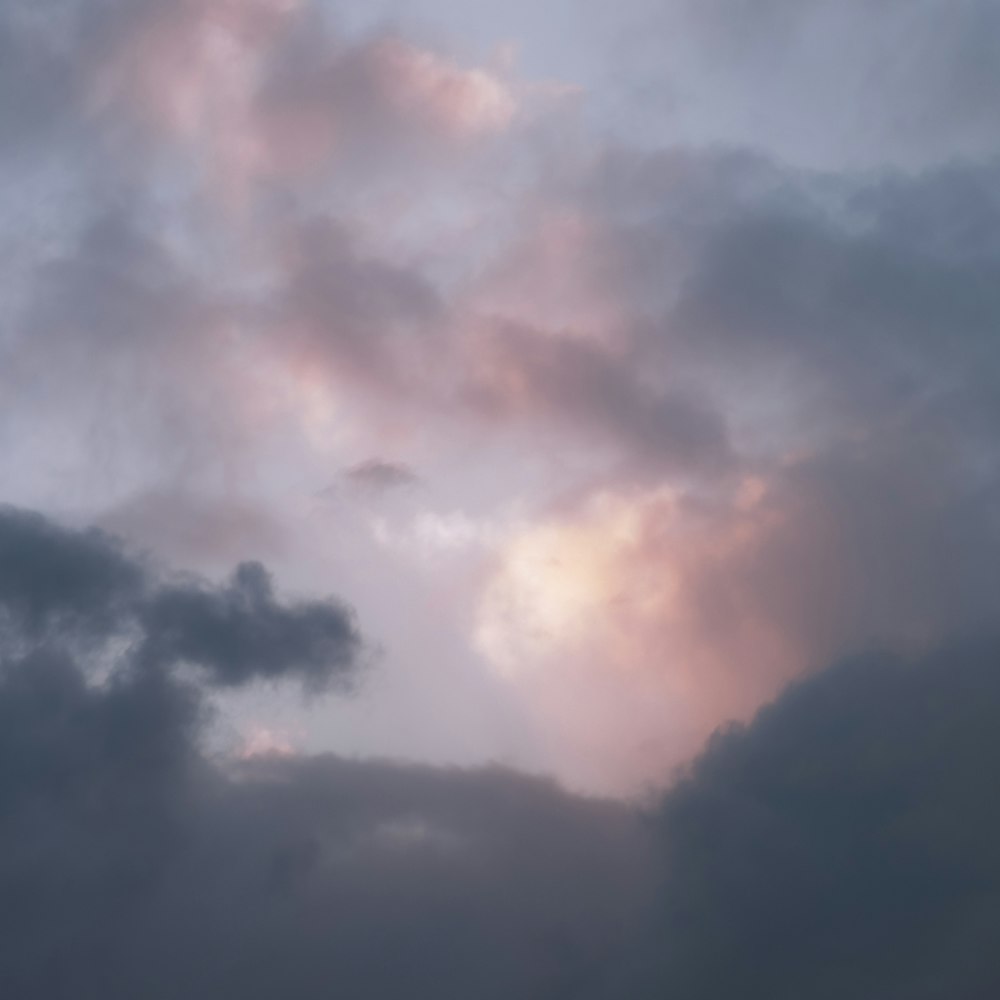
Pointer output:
x,y
561,587
628,627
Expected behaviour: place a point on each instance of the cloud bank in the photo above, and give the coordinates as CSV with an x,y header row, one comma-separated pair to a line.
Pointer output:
x,y
619,405
841,841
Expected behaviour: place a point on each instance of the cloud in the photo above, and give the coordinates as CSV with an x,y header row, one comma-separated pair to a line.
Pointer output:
x,y
787,395
641,603
53,578
189,528
59,586
366,321
750,397
520,373
382,91
239,632
379,476
36,82
841,843
260,91
130,361
820,83
669,610
132,862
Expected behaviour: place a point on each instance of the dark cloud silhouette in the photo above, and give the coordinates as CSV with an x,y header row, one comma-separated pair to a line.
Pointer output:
x,y
842,844
52,578
793,355
130,864
240,632
70,585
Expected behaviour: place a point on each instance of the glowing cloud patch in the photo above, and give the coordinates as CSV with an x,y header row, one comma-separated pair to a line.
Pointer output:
x,y
463,102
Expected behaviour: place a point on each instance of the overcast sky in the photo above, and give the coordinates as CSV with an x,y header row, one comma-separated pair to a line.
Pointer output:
x,y
499,499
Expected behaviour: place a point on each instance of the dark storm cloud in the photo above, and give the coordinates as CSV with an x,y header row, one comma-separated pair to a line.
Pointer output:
x,y
52,578
843,844
827,339
131,865
58,584
240,632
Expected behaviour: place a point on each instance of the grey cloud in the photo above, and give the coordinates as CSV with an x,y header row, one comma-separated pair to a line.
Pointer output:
x,y
583,386
370,101
122,360
888,542
370,321
841,844
64,586
847,327
52,578
240,632
36,84
117,286
50,58
847,303
822,82
379,476
131,864
190,529
870,314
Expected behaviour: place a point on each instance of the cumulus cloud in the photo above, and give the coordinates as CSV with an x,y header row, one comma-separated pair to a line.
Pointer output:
x,y
841,843
836,335
132,862
52,577
699,421
240,632
63,585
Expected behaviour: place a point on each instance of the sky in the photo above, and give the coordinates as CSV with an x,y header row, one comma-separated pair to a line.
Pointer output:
x,y
499,499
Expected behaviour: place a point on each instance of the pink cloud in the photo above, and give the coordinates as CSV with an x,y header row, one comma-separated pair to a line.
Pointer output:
x,y
611,620
461,102
260,89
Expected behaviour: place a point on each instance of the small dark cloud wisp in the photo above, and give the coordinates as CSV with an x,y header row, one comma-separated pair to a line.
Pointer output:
x,y
378,476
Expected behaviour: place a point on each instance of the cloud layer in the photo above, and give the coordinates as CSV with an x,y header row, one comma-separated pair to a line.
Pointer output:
x,y
842,841
620,406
